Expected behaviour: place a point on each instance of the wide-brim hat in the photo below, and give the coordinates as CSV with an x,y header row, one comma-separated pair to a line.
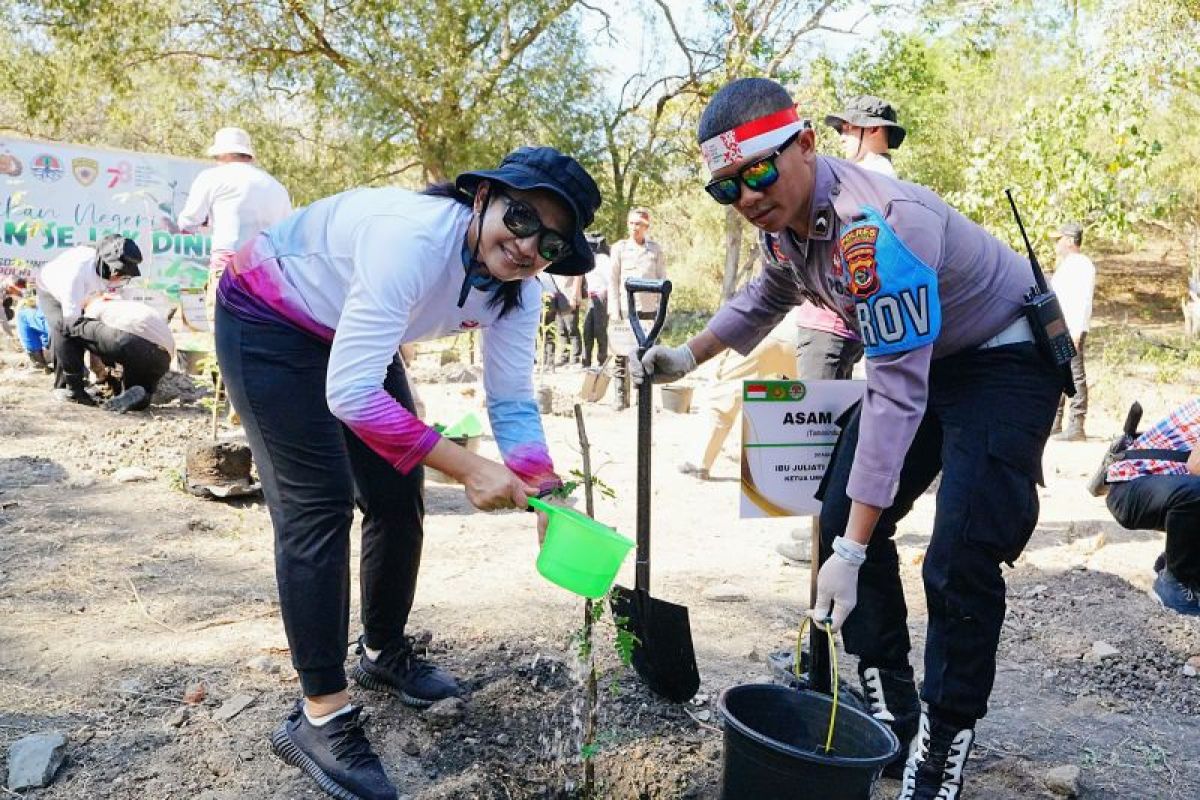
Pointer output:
x,y
231,140
868,111
529,168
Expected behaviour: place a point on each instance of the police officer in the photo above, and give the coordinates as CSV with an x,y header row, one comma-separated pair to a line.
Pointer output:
x,y
954,384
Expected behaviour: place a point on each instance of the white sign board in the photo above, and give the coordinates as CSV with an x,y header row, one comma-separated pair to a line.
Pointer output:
x,y
788,434
56,195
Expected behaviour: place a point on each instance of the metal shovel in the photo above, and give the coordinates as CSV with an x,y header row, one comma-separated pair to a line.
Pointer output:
x,y
663,654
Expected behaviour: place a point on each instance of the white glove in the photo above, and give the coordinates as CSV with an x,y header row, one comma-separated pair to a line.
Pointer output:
x,y
837,583
662,364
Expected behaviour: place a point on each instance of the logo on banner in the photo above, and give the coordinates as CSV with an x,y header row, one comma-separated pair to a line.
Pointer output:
x,y
119,173
85,170
46,168
797,391
9,165
756,391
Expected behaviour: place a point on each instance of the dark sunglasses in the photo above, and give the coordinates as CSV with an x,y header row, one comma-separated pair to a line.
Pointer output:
x,y
757,175
522,221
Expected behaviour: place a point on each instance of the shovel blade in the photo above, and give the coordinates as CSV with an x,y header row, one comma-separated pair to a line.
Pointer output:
x,y
663,655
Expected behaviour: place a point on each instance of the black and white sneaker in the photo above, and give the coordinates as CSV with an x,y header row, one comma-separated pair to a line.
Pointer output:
x,y
891,697
336,755
935,761
402,673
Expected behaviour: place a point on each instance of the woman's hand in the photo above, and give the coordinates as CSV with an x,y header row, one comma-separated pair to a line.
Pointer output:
x,y
491,486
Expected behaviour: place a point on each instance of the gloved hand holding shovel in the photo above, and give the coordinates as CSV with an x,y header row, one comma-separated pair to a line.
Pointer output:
x,y
837,583
662,364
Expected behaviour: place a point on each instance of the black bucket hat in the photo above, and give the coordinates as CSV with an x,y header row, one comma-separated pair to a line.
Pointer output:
x,y
869,111
117,256
530,168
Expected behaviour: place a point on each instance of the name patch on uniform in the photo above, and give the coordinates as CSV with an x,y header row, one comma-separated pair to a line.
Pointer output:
x,y
895,294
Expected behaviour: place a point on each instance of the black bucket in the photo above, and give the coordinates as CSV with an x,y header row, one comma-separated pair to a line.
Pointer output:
x,y
775,746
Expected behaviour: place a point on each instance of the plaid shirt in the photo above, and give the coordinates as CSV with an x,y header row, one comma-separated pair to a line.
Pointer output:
x,y
1179,431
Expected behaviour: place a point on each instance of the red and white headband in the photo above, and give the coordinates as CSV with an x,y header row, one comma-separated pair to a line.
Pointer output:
x,y
755,136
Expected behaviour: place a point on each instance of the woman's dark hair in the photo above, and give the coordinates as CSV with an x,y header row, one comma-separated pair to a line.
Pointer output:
x,y
508,294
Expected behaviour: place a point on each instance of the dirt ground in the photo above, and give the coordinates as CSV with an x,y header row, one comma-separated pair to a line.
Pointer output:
x,y
118,598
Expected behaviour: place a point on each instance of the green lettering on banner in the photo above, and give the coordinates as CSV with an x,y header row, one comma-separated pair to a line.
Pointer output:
x,y
193,245
161,242
16,233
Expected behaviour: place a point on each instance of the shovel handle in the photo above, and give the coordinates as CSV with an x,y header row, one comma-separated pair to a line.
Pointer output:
x,y
645,414
636,286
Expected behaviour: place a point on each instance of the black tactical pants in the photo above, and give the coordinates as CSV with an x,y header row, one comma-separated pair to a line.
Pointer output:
x,y
985,425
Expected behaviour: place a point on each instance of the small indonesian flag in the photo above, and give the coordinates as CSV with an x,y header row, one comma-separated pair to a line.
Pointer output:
x,y
756,391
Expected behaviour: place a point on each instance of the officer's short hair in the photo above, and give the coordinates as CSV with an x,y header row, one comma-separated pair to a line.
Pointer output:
x,y
739,102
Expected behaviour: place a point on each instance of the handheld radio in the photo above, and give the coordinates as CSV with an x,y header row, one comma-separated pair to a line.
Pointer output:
x,y
1045,315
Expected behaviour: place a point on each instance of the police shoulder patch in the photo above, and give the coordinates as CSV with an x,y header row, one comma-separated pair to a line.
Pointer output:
x,y
858,249
895,294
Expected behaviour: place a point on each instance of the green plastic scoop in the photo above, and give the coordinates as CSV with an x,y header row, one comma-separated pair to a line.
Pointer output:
x,y
580,554
466,427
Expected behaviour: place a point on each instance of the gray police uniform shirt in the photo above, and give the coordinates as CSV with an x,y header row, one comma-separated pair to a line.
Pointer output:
x,y
980,283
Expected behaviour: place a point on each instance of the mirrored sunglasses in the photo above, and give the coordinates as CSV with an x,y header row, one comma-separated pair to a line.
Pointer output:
x,y
522,221
757,175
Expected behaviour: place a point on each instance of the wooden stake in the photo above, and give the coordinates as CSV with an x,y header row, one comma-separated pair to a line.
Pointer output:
x,y
590,694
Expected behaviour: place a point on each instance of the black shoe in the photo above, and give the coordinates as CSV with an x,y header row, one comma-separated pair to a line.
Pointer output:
x,y
73,396
336,755
935,761
1160,563
402,673
891,696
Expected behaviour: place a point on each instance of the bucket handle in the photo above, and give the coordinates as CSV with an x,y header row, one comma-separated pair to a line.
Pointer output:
x,y
833,671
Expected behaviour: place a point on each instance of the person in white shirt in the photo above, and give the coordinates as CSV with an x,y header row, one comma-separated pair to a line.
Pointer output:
x,y
234,200
309,320
1074,281
134,344
64,285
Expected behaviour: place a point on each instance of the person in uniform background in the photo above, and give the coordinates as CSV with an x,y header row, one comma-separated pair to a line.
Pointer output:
x,y
1147,493
637,256
595,285
309,320
234,201
128,338
954,384
64,285
1074,281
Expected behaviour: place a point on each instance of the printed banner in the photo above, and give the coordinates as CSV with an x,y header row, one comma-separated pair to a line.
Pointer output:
x,y
57,195
787,440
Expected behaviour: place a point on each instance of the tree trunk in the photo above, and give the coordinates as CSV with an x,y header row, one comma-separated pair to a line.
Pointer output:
x,y
733,252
